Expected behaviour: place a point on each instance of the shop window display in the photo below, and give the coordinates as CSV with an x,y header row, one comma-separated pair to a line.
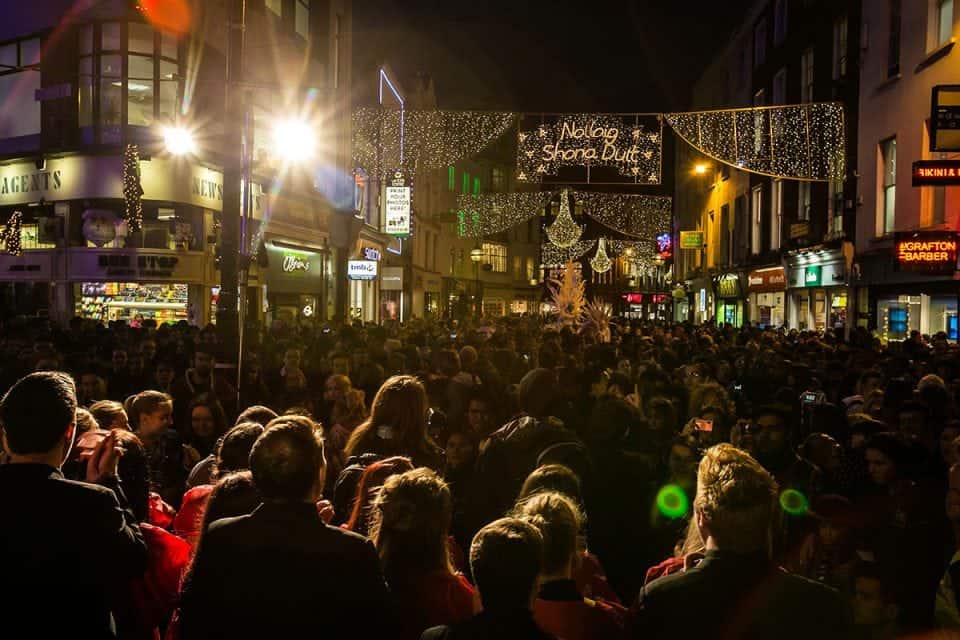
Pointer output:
x,y
132,302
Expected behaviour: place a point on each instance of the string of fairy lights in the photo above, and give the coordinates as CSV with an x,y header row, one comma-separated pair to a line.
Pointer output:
x,y
601,262
11,233
132,189
495,212
799,142
563,232
421,140
553,256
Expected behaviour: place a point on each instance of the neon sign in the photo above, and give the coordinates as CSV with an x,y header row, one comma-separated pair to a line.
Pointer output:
x,y
927,252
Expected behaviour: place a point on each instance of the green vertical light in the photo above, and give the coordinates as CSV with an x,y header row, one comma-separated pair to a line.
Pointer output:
x,y
476,185
451,178
460,223
466,182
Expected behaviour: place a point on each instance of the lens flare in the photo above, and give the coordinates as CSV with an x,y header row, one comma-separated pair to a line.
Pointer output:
x,y
672,502
179,141
293,140
794,502
167,15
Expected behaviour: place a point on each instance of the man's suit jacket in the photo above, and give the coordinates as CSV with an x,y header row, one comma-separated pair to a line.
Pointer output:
x,y
729,596
280,572
65,546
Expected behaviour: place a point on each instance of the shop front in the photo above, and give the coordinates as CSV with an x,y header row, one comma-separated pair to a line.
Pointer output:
x,y
432,289
766,290
644,306
817,289
701,299
915,288
730,304
392,303
137,285
294,282
26,282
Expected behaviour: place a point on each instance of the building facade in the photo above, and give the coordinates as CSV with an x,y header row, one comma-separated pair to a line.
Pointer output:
x,y
79,86
907,51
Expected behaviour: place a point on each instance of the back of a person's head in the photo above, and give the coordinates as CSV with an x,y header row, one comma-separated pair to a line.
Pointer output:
x,y
287,459
401,406
233,452
233,495
559,521
37,410
506,558
85,421
369,484
552,478
134,473
106,412
736,497
537,392
144,403
409,524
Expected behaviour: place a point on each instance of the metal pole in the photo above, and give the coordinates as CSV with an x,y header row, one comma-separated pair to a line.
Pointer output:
x,y
227,312
244,271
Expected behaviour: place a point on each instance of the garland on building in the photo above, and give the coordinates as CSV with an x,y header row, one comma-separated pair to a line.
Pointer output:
x,y
132,189
634,215
10,236
553,256
489,213
799,142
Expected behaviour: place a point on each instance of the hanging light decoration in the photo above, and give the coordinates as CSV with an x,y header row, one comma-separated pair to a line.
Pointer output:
x,y
10,236
551,255
132,189
600,262
564,232
496,212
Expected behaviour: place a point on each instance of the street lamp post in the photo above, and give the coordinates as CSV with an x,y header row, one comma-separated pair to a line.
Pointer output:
x,y
476,255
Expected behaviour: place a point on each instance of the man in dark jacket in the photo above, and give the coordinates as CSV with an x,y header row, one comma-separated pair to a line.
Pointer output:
x,y
65,543
280,572
737,591
506,559
513,451
202,378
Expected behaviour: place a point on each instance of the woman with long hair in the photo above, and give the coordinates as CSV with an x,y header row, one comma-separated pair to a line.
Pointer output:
x,y
410,524
397,425
207,423
151,418
370,483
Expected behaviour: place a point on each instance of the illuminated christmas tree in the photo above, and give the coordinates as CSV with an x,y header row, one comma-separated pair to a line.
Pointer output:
x,y
132,190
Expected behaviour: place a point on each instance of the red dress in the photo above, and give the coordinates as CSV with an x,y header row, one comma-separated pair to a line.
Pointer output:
x,y
438,598
145,603
560,610
189,520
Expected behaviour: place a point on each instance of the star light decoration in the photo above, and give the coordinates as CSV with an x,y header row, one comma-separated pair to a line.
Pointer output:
x,y
631,144
563,231
601,262
420,140
800,142
132,189
552,256
491,213
10,236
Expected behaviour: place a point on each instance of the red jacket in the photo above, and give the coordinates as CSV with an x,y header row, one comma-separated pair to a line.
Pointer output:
x,y
561,610
189,520
438,598
591,579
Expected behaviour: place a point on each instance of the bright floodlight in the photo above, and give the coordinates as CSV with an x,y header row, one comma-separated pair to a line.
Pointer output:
x,y
293,140
178,141
700,169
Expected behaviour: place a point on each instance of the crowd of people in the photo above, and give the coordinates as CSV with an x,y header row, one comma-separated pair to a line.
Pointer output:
x,y
507,478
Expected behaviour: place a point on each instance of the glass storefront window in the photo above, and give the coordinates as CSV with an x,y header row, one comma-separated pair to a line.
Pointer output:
x,y
140,92
132,302
140,38
111,95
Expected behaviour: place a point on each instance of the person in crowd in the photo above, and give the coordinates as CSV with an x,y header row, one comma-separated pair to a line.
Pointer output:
x,y
119,381
371,481
479,415
207,424
164,374
203,471
110,415
874,605
91,389
829,553
739,590
284,544
397,425
85,421
348,412
506,560
410,524
561,608
202,378
50,523
151,416
232,454
460,455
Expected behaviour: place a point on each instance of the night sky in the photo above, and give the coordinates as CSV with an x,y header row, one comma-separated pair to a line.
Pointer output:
x,y
632,55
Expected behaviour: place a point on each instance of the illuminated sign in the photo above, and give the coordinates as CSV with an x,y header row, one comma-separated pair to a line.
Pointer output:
x,y
728,286
371,253
934,252
767,280
691,239
397,209
932,173
945,118
292,263
361,270
665,245
589,148
813,276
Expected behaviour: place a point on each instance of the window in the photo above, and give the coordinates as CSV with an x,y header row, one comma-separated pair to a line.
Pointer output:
x,y
888,185
803,205
19,79
760,43
726,236
840,48
776,213
302,18
944,21
806,76
148,92
835,205
496,256
756,238
451,178
741,221
466,182
517,268
276,6
496,179
531,269
893,42
476,185
779,21
30,237
780,87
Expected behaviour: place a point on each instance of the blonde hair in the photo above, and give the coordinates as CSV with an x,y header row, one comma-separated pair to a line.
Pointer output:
x,y
559,521
737,497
